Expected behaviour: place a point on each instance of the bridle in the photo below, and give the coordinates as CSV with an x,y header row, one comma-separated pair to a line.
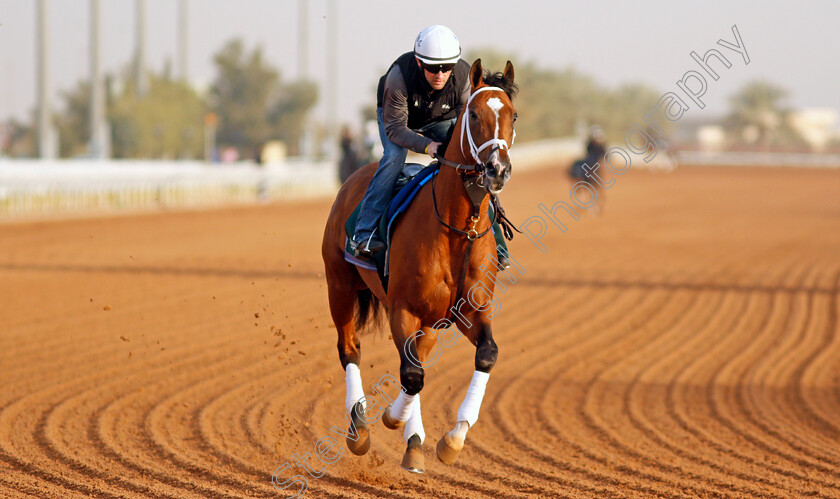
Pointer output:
x,y
465,130
496,142
472,182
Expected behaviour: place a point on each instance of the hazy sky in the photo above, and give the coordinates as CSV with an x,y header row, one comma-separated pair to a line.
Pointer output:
x,y
792,44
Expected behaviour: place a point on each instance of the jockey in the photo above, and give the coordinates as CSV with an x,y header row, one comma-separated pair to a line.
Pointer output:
x,y
418,102
595,148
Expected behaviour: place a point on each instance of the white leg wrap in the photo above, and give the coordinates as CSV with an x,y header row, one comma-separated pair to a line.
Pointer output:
x,y
472,401
415,422
402,407
355,391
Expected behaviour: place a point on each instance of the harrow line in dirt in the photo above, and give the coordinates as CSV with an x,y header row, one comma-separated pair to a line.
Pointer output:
x,y
665,348
543,456
595,421
544,416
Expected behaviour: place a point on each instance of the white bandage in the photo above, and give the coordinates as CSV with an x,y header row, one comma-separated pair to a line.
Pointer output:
x,y
355,391
402,407
415,422
472,401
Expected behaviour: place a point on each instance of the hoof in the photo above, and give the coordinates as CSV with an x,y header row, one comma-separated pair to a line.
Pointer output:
x,y
361,445
413,460
390,423
447,450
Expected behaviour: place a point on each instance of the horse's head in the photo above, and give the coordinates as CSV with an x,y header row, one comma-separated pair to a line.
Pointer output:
x,y
487,124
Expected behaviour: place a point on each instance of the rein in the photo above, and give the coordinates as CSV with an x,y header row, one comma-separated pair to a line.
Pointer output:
x,y
476,193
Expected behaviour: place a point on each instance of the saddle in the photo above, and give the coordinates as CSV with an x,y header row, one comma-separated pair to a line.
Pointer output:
x,y
412,177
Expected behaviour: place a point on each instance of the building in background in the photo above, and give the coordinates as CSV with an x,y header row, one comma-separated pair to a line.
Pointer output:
x,y
818,126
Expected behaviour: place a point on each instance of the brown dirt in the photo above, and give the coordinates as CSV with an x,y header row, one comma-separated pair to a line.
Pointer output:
x,y
684,343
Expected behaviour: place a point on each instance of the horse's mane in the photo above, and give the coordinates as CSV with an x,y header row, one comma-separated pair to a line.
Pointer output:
x,y
498,79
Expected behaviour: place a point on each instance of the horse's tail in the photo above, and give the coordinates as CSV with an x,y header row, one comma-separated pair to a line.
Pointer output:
x,y
368,309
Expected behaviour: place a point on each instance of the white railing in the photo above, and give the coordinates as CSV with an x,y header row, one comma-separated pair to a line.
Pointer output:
x,y
34,187
41,187
780,159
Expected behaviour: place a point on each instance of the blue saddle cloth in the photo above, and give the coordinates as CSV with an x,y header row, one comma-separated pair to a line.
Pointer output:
x,y
412,178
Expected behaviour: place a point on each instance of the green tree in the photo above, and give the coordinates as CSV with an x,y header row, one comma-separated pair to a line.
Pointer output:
x,y
287,115
553,103
758,115
165,123
626,107
21,139
73,123
252,104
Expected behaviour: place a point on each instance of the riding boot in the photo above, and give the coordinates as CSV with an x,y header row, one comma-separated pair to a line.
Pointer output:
x,y
501,247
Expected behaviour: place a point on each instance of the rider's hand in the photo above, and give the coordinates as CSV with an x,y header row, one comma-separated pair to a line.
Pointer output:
x,y
433,147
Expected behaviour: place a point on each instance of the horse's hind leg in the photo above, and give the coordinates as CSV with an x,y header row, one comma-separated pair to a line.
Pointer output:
x,y
342,296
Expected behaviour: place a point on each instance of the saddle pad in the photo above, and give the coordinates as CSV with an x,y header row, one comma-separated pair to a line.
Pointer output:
x,y
401,199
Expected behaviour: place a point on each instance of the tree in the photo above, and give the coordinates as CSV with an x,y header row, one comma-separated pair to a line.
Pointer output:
x,y
252,104
165,123
627,106
555,103
20,139
73,123
287,115
758,115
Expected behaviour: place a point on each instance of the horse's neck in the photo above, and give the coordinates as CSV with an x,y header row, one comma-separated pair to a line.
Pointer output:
x,y
454,203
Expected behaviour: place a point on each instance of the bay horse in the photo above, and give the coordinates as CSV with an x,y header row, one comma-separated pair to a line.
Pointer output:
x,y
433,259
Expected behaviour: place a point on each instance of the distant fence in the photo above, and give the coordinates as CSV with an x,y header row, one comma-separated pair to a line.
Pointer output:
x,y
752,158
35,188
43,187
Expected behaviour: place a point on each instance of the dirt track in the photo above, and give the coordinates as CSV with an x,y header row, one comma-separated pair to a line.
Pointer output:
x,y
684,343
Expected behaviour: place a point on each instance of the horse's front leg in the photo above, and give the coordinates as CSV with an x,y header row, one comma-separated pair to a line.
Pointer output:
x,y
486,352
404,412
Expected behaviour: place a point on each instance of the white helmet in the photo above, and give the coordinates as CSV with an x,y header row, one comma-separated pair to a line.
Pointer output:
x,y
437,45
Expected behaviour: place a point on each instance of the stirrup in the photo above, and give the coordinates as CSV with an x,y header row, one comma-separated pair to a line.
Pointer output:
x,y
368,246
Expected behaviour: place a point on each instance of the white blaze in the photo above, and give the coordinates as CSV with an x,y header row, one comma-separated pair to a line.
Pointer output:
x,y
495,104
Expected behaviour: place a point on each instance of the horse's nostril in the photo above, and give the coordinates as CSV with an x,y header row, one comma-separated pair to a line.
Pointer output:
x,y
490,170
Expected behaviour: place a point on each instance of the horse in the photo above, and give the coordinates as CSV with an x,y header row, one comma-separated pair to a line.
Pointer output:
x,y
586,174
433,259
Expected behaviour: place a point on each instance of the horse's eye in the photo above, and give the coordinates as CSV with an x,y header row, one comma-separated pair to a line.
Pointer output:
x,y
473,115
514,117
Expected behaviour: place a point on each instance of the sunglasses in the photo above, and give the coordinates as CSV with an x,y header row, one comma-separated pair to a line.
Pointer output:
x,y
437,68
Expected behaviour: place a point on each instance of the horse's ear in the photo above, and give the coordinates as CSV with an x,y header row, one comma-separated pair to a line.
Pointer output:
x,y
508,72
476,73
